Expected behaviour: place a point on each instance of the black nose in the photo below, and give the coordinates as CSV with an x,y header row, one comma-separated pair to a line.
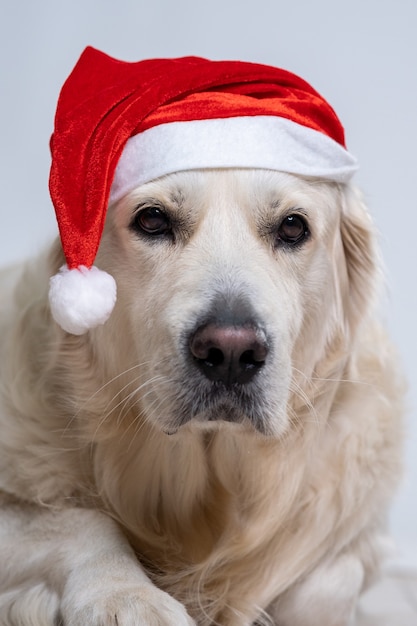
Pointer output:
x,y
229,354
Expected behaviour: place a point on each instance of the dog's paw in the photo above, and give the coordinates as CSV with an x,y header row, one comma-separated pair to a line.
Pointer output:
x,y
145,606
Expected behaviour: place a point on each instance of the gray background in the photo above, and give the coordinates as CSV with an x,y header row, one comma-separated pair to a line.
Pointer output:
x,y
361,55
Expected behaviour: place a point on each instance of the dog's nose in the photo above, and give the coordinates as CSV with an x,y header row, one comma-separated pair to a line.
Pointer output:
x,y
229,354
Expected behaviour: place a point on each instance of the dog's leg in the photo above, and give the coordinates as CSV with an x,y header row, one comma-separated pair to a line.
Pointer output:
x,y
326,597
74,567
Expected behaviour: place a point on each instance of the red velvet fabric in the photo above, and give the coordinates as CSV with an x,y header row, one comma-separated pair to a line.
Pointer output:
x,y
105,101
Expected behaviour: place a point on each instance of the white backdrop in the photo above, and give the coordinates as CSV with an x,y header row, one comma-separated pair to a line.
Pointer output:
x,y
361,55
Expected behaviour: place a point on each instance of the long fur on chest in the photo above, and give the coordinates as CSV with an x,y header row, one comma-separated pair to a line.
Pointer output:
x,y
226,519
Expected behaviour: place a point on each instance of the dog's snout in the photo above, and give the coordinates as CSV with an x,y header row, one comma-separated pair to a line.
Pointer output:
x,y
229,354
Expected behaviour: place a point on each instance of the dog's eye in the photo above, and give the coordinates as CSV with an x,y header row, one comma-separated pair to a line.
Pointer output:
x,y
152,221
293,230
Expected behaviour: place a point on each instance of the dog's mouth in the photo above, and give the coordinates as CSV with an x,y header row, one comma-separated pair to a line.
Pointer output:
x,y
211,404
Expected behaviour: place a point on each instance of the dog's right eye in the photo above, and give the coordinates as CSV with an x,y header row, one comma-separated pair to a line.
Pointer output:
x,y
152,221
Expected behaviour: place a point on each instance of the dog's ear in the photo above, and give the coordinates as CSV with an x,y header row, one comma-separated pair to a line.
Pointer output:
x,y
361,255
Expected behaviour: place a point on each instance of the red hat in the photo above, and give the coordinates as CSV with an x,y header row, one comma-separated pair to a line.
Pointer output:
x,y
119,125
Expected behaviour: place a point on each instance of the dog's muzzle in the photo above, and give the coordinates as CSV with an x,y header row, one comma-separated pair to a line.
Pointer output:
x,y
228,370
226,351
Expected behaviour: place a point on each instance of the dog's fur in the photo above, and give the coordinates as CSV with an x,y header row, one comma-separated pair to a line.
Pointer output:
x,y
132,486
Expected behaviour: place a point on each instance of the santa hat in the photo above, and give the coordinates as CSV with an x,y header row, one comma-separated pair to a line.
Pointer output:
x,y
119,125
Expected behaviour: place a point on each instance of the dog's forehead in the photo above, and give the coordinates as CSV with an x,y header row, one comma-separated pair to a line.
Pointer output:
x,y
253,191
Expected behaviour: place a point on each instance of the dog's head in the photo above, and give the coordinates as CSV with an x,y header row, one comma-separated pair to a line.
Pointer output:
x,y
236,289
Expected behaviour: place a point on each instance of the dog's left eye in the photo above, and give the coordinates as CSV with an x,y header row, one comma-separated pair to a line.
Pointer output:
x,y
152,221
293,230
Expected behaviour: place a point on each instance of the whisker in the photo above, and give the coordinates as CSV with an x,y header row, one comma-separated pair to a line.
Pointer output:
x,y
116,377
124,401
326,379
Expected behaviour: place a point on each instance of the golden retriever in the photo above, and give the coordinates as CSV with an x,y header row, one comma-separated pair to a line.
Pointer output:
x,y
224,449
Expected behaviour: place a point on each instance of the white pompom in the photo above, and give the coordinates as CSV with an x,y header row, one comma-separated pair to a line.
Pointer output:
x,y
81,298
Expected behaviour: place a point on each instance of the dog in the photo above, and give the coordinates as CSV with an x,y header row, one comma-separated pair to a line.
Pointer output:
x,y
223,450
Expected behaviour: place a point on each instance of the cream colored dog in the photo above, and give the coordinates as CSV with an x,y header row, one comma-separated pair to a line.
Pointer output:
x,y
224,448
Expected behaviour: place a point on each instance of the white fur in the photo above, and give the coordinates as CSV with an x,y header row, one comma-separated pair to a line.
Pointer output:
x,y
112,512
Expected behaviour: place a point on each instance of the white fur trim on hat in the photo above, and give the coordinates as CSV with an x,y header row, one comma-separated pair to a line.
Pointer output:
x,y
261,141
81,298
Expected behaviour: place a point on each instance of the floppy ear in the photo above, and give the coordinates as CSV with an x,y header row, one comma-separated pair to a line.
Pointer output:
x,y
361,255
